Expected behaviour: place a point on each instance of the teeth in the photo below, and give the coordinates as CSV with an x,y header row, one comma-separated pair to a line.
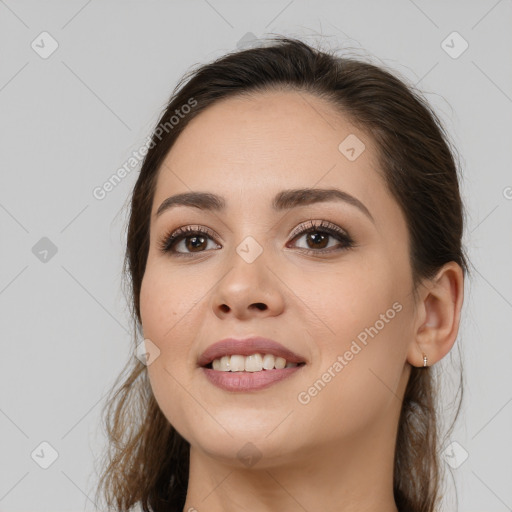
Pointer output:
x,y
237,363
252,363
268,361
280,362
225,365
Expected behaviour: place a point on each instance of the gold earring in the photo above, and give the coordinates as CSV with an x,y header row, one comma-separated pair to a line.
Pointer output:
x,y
424,360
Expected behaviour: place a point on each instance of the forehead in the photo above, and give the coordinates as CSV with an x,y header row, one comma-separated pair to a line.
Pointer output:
x,y
249,148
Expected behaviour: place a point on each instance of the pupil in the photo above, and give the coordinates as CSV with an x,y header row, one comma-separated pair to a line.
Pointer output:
x,y
318,238
193,240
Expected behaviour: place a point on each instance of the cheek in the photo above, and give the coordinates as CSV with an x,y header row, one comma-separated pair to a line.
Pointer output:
x,y
363,348
169,307
169,320
357,383
166,299
360,299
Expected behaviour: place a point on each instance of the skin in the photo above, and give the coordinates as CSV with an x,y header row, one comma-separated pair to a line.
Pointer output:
x,y
336,451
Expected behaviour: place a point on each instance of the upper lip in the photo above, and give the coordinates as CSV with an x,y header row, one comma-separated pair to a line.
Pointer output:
x,y
247,347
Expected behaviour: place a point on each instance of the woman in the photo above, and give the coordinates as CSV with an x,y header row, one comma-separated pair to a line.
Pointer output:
x,y
296,270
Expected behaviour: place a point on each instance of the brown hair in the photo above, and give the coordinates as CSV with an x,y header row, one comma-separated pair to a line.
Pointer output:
x,y
147,461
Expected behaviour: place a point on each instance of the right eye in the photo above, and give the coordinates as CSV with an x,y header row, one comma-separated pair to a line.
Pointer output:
x,y
195,239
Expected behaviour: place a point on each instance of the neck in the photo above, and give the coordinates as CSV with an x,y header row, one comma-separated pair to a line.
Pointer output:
x,y
355,476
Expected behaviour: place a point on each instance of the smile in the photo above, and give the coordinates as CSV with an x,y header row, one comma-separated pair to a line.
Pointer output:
x,y
251,363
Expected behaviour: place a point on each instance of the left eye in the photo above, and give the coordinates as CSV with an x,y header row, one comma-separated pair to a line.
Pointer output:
x,y
195,238
317,236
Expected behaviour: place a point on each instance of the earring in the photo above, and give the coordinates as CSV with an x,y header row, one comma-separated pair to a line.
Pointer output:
x,y
424,360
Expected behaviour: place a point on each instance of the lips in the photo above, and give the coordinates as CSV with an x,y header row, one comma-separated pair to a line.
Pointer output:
x,y
247,347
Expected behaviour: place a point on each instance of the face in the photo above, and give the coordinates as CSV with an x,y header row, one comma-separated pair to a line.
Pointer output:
x,y
329,280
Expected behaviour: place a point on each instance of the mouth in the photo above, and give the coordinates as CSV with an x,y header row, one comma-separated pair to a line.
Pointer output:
x,y
246,365
251,363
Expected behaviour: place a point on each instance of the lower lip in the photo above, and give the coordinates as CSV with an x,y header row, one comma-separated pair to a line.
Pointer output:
x,y
248,381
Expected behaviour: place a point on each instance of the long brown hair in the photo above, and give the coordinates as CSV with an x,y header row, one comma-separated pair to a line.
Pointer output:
x,y
147,461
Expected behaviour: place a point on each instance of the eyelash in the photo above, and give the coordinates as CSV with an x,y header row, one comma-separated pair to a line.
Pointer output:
x,y
169,240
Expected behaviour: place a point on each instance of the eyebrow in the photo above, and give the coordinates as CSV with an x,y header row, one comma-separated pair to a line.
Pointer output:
x,y
284,200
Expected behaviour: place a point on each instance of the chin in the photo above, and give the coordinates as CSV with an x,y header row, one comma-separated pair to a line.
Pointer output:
x,y
257,452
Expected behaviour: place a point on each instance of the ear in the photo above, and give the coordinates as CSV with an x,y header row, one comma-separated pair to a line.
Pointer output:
x,y
437,315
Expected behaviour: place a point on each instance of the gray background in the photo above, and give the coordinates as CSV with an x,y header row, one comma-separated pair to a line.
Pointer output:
x,y
70,120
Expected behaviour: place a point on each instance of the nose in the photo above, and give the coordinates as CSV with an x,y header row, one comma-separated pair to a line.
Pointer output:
x,y
248,290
